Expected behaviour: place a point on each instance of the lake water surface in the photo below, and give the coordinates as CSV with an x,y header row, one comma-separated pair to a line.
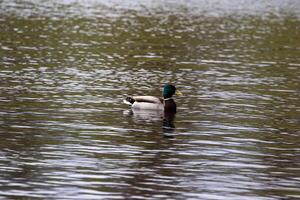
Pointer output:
x,y
65,67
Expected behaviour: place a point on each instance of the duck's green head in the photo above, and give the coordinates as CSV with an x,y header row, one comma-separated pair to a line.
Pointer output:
x,y
169,91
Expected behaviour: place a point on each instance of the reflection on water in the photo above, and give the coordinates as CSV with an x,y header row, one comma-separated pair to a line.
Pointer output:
x,y
66,66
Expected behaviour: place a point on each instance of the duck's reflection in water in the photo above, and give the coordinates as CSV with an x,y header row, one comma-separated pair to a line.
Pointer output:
x,y
166,117
168,123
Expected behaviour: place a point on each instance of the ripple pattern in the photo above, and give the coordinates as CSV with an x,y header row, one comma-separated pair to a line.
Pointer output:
x,y
66,66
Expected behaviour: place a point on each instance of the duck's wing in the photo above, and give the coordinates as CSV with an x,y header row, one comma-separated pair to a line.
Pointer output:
x,y
148,99
143,100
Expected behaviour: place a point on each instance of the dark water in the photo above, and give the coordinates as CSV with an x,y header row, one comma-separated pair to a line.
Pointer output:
x,y
65,67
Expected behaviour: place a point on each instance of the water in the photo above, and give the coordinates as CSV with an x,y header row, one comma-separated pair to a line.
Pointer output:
x,y
65,67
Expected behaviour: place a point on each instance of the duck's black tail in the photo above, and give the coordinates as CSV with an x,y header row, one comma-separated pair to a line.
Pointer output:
x,y
129,100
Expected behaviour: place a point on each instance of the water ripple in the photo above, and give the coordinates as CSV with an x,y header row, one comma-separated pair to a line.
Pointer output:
x,y
66,66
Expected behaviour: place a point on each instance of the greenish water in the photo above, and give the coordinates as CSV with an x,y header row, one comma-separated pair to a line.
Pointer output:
x,y
65,67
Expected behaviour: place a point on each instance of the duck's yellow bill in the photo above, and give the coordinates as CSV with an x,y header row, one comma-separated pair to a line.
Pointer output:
x,y
178,93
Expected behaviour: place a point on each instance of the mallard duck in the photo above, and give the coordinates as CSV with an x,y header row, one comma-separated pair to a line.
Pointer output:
x,y
155,103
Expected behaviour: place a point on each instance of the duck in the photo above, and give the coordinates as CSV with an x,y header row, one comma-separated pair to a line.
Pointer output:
x,y
165,103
